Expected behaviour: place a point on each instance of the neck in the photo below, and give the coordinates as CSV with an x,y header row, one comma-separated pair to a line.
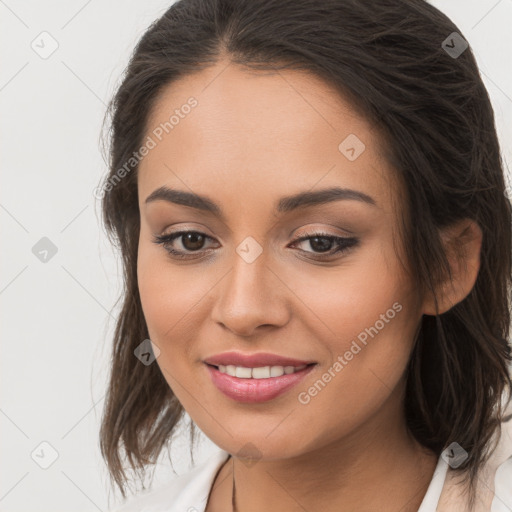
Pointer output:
x,y
379,467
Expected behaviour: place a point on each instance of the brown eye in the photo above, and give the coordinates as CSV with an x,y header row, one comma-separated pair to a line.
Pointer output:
x,y
192,241
321,244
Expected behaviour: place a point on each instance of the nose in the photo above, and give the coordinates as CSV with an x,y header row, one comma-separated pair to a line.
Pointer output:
x,y
251,297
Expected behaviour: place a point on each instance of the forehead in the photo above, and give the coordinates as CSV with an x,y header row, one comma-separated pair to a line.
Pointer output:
x,y
259,133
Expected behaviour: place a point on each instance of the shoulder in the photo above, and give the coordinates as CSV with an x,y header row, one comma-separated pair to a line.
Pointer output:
x,y
494,485
500,472
186,493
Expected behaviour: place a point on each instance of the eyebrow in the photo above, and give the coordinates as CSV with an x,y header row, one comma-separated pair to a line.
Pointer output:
x,y
285,204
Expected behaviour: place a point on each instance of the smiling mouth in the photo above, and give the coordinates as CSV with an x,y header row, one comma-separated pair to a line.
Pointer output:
x,y
258,384
261,372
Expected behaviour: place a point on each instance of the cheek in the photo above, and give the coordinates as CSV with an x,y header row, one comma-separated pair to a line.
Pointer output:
x,y
173,298
370,333
364,315
347,301
164,296
170,298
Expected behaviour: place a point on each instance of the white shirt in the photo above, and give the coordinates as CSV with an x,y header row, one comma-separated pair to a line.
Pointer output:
x,y
189,492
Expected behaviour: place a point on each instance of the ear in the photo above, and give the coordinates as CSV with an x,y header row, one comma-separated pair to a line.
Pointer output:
x,y
462,242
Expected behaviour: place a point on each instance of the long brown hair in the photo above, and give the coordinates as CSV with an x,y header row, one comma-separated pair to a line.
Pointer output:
x,y
387,57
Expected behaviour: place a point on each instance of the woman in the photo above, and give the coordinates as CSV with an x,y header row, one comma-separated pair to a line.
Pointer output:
x,y
310,205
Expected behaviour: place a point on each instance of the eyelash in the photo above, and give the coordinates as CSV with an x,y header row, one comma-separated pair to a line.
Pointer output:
x,y
343,243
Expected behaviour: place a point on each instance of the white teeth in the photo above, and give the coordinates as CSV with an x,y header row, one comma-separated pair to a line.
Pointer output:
x,y
263,372
276,371
243,373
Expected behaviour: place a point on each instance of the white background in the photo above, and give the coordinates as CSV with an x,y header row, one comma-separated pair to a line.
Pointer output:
x,y
57,317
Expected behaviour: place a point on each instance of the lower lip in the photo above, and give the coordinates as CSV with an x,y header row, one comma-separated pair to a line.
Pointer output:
x,y
255,390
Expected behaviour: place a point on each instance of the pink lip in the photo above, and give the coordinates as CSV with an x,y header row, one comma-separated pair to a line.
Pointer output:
x,y
253,360
255,390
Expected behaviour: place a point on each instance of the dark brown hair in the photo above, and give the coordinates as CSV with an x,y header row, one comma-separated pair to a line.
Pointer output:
x,y
386,57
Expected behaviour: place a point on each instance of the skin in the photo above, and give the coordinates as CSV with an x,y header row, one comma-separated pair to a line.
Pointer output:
x,y
253,138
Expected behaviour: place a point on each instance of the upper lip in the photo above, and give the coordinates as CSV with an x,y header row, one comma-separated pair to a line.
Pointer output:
x,y
253,360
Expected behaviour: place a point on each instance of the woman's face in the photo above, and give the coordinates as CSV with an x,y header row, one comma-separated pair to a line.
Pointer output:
x,y
247,284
